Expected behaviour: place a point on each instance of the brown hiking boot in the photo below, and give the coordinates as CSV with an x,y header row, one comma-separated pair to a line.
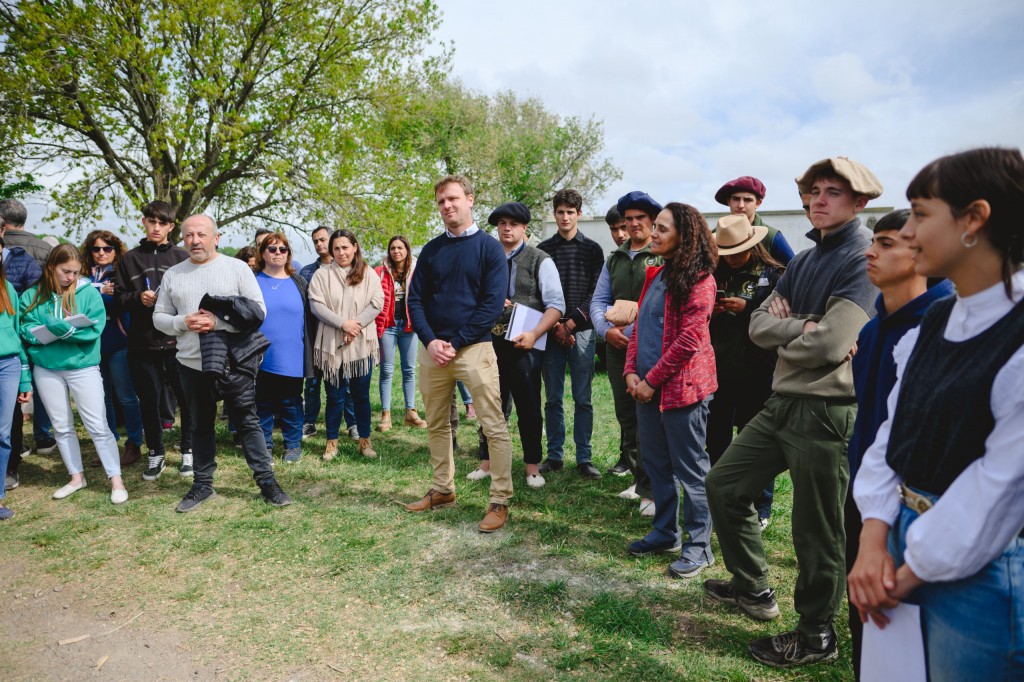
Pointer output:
x,y
495,518
331,450
432,500
365,450
413,419
131,454
385,421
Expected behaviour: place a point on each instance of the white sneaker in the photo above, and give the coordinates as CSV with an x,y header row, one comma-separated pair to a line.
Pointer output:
x,y
118,496
763,523
68,489
478,475
646,507
535,481
629,493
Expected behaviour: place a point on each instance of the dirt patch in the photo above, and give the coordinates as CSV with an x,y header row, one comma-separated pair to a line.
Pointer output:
x,y
121,644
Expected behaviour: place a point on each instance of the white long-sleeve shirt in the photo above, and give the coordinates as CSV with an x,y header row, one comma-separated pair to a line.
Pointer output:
x,y
983,509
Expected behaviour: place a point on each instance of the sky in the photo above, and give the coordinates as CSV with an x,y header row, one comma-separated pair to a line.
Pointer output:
x,y
693,94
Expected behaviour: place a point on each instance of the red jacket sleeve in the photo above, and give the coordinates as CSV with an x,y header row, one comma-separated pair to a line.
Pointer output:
x,y
388,313
692,329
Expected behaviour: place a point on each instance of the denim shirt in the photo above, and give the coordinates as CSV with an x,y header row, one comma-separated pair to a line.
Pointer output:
x,y
650,326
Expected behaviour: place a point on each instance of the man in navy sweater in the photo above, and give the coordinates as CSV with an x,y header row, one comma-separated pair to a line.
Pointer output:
x,y
903,301
456,295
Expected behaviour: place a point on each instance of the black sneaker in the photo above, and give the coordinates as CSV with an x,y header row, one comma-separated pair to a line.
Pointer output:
x,y
272,493
757,606
156,467
46,446
186,470
549,465
620,469
789,649
588,470
197,494
11,481
308,430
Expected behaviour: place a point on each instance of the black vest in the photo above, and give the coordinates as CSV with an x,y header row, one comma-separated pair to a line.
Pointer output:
x,y
943,415
526,284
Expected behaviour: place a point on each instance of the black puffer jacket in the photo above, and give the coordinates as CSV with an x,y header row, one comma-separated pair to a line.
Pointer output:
x,y
233,359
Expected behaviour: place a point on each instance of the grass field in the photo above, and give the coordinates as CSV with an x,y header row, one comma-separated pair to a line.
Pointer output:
x,y
345,583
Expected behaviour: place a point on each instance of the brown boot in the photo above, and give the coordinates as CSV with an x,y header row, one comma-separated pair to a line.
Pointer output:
x,y
131,454
495,518
331,450
365,450
413,419
432,500
385,421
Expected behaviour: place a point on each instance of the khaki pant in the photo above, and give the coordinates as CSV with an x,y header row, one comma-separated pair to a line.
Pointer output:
x,y
477,367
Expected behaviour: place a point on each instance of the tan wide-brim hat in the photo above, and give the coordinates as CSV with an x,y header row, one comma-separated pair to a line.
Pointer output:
x,y
735,234
861,180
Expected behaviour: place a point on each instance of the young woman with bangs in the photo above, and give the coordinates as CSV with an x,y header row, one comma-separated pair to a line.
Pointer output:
x,y
941,489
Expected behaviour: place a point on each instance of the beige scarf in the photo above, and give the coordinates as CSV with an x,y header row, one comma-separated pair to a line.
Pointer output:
x,y
335,358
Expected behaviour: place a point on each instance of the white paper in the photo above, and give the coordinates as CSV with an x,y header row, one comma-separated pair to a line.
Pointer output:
x,y
897,652
45,336
525,318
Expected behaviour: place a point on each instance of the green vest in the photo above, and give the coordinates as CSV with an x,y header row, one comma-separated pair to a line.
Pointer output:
x,y
627,275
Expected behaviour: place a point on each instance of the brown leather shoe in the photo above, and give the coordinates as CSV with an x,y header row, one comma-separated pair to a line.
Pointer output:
x,y
385,421
432,500
365,449
414,419
131,454
331,450
495,518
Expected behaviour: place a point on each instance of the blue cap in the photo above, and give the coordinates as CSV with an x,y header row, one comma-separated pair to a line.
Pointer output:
x,y
641,201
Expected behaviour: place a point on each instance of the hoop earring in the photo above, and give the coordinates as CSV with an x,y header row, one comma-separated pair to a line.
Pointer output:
x,y
965,243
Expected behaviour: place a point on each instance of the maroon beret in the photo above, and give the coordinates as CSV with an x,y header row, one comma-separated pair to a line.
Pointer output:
x,y
747,183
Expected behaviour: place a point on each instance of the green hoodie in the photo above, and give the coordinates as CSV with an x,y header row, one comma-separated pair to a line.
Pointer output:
x,y
10,342
81,347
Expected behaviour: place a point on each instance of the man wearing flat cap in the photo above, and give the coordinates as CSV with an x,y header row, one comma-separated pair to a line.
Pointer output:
x,y
618,288
532,282
456,295
811,320
743,196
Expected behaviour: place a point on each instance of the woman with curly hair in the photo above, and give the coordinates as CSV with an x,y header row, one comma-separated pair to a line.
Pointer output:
x,y
670,372
101,254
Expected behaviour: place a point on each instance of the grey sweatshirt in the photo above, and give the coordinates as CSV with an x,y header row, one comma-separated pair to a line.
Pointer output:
x,y
827,283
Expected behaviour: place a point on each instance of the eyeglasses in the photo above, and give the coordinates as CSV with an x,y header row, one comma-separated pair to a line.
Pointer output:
x,y
104,249
277,249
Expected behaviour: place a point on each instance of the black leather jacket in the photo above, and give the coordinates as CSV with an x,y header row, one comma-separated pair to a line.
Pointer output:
x,y
233,359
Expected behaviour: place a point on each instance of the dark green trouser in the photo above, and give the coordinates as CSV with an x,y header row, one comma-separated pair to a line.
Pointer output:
x,y
625,413
807,436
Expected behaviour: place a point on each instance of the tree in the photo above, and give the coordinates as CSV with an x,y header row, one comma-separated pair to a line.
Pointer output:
x,y
252,110
512,149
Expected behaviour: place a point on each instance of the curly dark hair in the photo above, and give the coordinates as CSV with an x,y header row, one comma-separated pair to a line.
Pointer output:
x,y
696,256
110,238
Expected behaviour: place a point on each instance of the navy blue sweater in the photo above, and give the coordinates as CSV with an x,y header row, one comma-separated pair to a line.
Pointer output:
x,y
458,289
874,372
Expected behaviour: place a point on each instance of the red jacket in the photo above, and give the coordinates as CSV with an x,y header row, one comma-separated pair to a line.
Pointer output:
x,y
685,373
387,283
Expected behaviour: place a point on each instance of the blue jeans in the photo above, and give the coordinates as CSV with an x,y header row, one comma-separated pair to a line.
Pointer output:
x,y
10,378
42,429
117,380
580,359
280,395
974,627
467,399
673,454
405,342
358,388
311,403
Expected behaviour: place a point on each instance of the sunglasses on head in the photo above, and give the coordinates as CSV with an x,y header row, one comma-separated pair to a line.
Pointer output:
x,y
277,249
104,249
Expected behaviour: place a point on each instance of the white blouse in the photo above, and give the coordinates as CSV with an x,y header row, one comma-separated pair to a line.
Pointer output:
x,y
983,509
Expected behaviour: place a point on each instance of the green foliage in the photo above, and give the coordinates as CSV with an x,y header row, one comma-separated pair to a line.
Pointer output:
x,y
19,188
260,111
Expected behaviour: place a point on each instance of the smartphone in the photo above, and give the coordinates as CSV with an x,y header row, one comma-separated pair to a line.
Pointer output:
x,y
720,294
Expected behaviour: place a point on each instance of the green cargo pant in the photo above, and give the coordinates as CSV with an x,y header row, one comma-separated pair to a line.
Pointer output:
x,y
807,436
